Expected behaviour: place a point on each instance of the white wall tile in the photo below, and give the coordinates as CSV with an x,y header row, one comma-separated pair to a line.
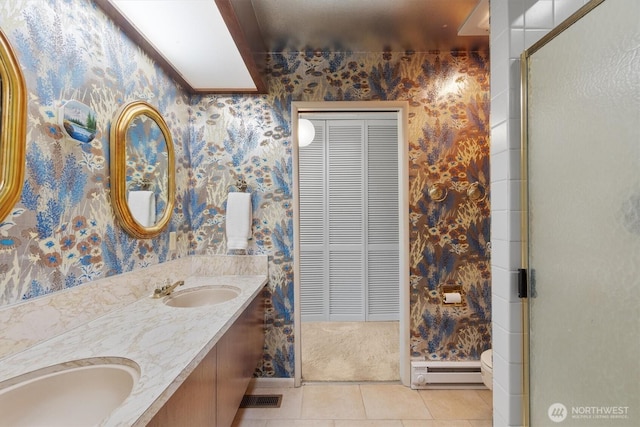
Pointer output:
x,y
514,195
499,279
516,13
507,252
499,70
514,105
500,402
499,107
507,406
516,325
508,376
499,140
514,171
500,225
504,282
531,36
500,251
499,19
515,255
539,15
516,42
509,346
499,312
562,9
500,166
514,74
507,315
515,226
500,45
499,195
501,368
498,421
514,136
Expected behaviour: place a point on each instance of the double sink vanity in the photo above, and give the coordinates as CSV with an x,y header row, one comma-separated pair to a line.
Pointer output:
x,y
184,358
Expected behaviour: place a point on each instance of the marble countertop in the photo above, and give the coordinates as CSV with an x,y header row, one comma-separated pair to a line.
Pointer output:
x,y
167,343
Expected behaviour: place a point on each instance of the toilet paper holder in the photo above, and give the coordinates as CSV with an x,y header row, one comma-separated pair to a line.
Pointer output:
x,y
455,289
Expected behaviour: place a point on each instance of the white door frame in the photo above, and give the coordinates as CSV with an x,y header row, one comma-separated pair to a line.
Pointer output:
x,y
401,109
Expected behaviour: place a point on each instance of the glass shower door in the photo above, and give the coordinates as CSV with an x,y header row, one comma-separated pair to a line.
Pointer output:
x,y
582,92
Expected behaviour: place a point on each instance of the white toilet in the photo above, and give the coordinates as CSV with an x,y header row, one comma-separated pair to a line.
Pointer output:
x,y
486,368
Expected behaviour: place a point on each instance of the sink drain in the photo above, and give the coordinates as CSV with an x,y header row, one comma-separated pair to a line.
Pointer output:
x,y
261,401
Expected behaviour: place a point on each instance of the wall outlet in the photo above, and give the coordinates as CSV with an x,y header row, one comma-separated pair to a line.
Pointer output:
x,y
172,240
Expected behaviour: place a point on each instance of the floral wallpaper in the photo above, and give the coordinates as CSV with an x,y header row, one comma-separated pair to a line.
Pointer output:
x,y
249,137
63,231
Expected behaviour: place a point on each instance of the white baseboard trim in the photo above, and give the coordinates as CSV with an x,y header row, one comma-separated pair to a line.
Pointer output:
x,y
268,382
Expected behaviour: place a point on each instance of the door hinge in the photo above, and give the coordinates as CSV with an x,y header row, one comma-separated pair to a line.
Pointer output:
x,y
522,283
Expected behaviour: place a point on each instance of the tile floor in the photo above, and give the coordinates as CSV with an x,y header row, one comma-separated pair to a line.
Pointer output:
x,y
370,405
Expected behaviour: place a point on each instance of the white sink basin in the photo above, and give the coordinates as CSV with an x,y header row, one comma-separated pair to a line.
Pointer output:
x,y
78,393
204,295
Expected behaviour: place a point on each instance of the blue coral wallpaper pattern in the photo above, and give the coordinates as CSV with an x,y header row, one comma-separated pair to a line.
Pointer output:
x,y
63,232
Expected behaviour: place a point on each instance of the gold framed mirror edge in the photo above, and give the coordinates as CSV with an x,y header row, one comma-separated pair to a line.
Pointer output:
x,y
118,168
13,128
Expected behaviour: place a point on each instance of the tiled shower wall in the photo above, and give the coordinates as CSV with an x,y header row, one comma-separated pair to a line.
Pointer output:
x,y
63,233
515,26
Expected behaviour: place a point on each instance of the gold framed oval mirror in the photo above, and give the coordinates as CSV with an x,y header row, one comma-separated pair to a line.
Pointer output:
x,y
13,127
142,170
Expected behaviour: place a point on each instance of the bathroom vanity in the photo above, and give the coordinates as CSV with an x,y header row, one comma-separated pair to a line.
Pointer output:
x,y
211,394
191,363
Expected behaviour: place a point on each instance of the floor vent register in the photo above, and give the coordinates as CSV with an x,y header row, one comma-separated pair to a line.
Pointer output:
x,y
261,401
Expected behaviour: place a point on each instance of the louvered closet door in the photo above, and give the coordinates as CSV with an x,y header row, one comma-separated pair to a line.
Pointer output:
x,y
346,220
349,251
383,256
314,295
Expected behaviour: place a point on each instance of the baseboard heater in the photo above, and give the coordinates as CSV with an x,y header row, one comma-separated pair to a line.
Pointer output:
x,y
431,374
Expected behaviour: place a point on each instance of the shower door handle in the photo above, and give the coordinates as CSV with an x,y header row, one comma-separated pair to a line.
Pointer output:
x,y
522,283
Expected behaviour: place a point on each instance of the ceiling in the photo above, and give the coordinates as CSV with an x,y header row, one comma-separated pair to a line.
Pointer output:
x,y
365,25
218,46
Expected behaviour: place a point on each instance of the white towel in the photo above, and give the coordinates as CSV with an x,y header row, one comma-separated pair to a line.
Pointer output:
x,y
238,222
142,205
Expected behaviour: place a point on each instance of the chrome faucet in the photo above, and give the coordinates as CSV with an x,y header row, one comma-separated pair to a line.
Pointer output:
x,y
166,289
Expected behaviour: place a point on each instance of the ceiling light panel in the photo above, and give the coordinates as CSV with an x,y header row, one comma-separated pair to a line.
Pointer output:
x,y
477,23
193,37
